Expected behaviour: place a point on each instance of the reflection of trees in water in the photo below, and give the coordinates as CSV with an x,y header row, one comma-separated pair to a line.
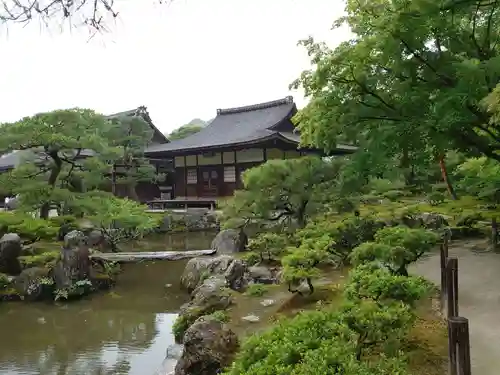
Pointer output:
x,y
72,342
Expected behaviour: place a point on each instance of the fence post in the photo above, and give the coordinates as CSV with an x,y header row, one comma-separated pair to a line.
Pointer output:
x,y
459,346
494,234
452,286
444,258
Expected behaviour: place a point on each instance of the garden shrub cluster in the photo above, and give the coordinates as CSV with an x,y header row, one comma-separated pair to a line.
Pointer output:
x,y
366,334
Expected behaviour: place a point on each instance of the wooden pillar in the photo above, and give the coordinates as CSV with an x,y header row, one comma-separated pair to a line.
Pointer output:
x,y
452,286
174,189
494,234
459,346
265,154
236,170
443,261
199,178
185,178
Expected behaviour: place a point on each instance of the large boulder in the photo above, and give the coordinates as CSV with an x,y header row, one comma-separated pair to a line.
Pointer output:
x,y
198,269
262,275
210,296
433,220
12,204
10,249
33,283
230,241
209,347
74,264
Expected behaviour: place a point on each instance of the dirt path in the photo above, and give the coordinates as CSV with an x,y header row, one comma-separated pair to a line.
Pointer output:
x,y
479,300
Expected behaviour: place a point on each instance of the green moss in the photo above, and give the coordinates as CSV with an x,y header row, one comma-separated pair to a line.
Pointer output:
x,y
221,316
4,281
183,322
47,259
256,290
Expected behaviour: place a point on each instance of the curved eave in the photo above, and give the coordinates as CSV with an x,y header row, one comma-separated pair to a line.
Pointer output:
x,y
341,149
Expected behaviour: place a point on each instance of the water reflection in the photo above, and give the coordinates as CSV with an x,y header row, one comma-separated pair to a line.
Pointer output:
x,y
126,331
110,344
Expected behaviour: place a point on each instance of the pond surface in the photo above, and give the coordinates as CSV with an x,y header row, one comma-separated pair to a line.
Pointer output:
x,y
124,331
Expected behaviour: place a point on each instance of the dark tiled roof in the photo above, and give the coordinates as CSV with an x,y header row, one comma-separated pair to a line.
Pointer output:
x,y
142,112
235,126
14,158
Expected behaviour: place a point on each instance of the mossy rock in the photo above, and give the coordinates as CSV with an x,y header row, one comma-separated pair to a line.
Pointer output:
x,y
46,259
9,294
102,281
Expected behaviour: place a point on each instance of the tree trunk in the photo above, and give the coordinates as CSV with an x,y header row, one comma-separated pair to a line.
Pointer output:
x,y
131,192
301,214
54,174
446,178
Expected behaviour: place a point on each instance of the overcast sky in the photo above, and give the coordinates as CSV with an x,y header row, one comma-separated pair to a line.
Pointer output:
x,y
182,60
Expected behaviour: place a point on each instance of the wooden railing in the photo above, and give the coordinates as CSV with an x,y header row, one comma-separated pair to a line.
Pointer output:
x,y
458,327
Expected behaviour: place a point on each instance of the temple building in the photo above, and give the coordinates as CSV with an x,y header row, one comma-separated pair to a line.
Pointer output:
x,y
209,164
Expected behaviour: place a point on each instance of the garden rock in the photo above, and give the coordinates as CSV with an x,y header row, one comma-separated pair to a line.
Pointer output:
x,y
261,274
231,269
210,296
230,241
433,221
96,238
209,347
74,264
10,249
31,284
74,238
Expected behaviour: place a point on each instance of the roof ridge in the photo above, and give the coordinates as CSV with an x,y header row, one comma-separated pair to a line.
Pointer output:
x,y
254,107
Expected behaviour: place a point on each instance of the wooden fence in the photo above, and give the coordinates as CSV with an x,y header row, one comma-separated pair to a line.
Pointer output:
x,y
458,327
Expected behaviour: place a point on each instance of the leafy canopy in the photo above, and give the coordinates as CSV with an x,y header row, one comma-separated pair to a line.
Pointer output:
x,y
396,248
279,189
64,155
417,78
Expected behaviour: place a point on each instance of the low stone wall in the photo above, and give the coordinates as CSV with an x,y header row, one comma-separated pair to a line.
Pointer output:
x,y
191,220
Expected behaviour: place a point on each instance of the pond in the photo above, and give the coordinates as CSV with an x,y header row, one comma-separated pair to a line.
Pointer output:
x,y
124,331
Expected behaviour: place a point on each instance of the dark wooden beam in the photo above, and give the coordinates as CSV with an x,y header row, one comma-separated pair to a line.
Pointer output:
x,y
185,177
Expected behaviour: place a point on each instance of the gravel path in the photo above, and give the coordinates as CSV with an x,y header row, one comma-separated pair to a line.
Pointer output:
x,y
479,300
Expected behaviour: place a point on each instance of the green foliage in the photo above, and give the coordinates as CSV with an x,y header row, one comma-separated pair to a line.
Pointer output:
x,y
370,281
271,191
381,186
252,258
121,219
221,316
46,259
78,289
435,198
64,154
338,238
184,131
301,264
4,281
268,244
344,205
325,342
480,177
396,248
131,135
415,80
377,324
29,228
256,290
